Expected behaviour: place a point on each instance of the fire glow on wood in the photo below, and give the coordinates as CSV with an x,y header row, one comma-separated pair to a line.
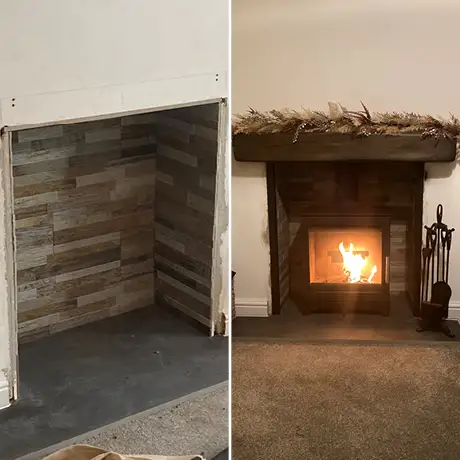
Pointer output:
x,y
354,264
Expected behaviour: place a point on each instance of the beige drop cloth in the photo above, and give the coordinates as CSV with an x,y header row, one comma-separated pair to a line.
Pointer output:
x,y
81,452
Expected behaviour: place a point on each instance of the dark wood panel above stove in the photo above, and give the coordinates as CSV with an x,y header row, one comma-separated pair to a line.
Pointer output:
x,y
351,188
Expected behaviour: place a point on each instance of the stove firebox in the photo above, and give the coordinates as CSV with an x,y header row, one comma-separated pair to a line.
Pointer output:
x,y
341,264
345,255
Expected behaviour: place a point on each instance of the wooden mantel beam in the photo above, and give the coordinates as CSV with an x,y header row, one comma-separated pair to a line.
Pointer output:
x,y
342,147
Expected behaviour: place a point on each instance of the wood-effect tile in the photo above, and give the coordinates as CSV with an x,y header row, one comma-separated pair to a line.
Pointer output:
x,y
84,222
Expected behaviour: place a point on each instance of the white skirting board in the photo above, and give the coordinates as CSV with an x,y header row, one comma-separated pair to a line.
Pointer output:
x,y
4,394
251,307
454,310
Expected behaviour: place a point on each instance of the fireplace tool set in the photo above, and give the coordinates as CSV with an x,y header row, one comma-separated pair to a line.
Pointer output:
x,y
436,292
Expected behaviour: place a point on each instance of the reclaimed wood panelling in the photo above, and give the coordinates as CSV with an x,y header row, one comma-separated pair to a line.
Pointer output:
x,y
347,188
184,209
83,198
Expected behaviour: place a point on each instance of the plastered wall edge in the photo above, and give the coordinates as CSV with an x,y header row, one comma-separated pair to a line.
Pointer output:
x,y
220,269
4,392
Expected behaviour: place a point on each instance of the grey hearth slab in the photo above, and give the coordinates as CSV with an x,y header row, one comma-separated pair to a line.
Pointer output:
x,y
399,326
84,378
222,456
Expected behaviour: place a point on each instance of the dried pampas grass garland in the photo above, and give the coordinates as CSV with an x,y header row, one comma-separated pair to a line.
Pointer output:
x,y
341,120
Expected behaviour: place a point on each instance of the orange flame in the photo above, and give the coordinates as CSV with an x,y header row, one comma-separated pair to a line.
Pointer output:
x,y
353,265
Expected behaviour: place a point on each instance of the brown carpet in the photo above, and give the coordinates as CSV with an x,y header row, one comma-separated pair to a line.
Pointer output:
x,y
331,402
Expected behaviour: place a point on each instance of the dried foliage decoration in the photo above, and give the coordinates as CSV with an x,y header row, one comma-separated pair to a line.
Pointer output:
x,y
341,120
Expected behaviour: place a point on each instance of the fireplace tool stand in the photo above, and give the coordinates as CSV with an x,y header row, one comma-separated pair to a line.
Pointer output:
x,y
435,277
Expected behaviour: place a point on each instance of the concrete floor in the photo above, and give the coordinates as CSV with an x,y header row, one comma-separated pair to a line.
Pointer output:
x,y
195,424
94,375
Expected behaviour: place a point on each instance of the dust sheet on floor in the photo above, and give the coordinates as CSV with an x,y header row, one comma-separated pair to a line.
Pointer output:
x,y
83,452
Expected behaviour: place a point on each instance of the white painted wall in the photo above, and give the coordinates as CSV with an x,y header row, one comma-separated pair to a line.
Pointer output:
x,y
65,59
250,254
393,55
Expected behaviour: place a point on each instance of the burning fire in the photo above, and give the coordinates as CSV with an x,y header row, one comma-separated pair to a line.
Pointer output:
x,y
353,265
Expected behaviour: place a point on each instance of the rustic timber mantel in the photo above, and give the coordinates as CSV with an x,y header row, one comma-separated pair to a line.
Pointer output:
x,y
342,147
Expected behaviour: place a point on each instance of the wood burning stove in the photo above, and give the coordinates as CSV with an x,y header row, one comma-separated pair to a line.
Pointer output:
x,y
340,263
345,237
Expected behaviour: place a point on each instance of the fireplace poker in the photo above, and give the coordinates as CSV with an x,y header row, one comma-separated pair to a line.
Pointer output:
x,y
444,241
439,212
433,240
448,244
430,264
426,252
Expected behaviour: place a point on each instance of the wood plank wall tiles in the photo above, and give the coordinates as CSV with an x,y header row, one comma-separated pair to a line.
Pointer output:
x,y
184,209
83,203
398,260
283,248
